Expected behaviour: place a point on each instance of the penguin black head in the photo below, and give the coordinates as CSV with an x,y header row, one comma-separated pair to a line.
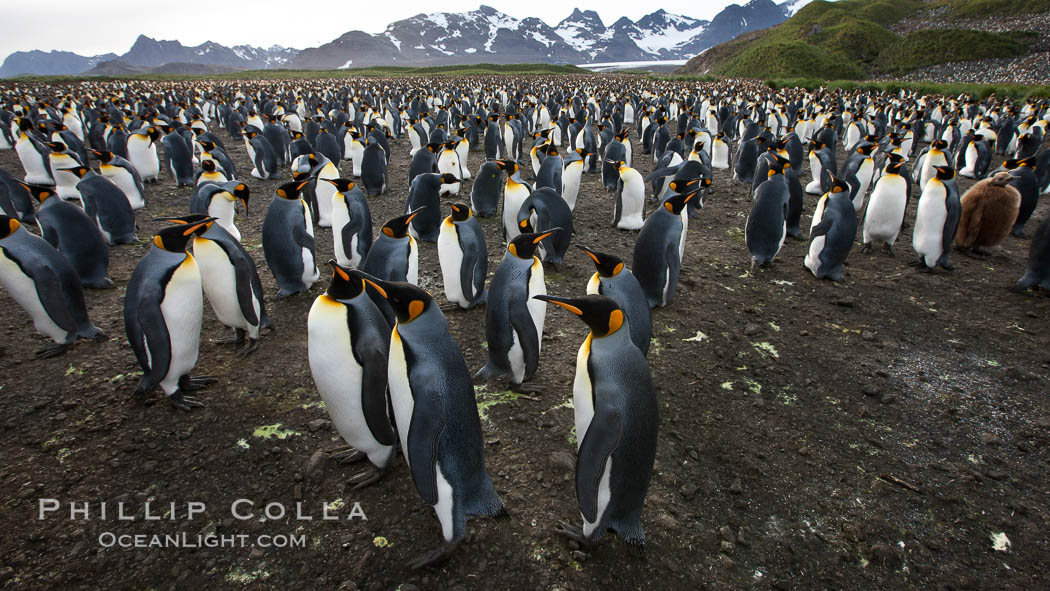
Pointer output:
x,y
460,211
939,145
676,203
684,186
698,146
406,300
524,245
449,179
175,238
945,172
104,156
778,165
508,165
240,191
57,147
607,265
838,185
341,185
398,227
865,148
208,165
343,286
80,171
290,190
601,313
8,226
550,150
1015,163
895,164
40,193
208,146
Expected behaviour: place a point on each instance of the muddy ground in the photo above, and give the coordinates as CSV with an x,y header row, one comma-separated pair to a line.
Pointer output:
x,y
874,434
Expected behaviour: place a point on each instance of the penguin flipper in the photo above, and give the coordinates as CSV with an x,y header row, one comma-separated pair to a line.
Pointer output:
x,y
244,268
49,290
154,336
373,394
664,172
951,225
820,229
602,438
471,269
423,434
521,323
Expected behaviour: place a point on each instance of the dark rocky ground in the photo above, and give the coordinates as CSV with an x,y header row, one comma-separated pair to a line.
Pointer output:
x,y
874,434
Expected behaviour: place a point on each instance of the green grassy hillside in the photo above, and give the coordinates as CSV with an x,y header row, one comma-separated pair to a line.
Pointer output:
x,y
851,39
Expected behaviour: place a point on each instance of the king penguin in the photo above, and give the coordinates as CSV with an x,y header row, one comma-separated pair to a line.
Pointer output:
x,y
1037,273
162,316
937,220
219,201
348,349
436,416
514,194
394,256
831,239
351,223
107,204
288,241
142,153
889,200
463,256
630,199
76,236
612,279
374,169
617,420
43,283
658,249
123,175
766,226
230,281
513,319
484,193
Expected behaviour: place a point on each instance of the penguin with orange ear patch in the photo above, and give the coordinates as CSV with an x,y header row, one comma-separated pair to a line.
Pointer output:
x,y
288,241
989,209
394,256
659,246
513,319
617,422
614,280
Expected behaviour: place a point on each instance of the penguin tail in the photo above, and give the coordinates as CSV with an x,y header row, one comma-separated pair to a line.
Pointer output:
x,y
488,372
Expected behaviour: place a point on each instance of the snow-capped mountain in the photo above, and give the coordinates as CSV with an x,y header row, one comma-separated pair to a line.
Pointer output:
x,y
150,53
445,38
488,35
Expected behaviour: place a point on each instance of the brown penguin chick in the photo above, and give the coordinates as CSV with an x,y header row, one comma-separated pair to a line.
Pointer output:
x,y
989,209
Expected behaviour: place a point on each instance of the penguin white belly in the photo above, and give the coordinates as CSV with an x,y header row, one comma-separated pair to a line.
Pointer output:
x,y
813,188
450,256
126,183
882,221
325,193
66,185
508,141
513,196
632,201
582,392
23,290
444,506
593,285
720,155
929,226
449,163
604,494
222,210
570,183
338,377
516,356
219,280
340,218
685,230
812,261
182,308
400,391
143,156
413,262
537,308
36,171
348,147
971,161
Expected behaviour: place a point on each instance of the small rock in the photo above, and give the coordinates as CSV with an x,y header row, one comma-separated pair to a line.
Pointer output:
x,y
318,425
149,465
726,561
727,547
348,586
888,399
751,329
256,553
998,475
870,390
803,333
867,335
845,303
990,439
688,490
316,467
297,492
727,534
885,555
736,487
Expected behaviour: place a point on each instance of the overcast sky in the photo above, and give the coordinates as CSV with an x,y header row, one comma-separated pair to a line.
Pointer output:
x,y
91,28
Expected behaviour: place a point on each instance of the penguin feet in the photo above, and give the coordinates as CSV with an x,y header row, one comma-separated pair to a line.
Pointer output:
x,y
889,250
526,388
52,350
181,402
435,556
193,384
236,339
947,266
367,478
636,548
866,248
574,533
347,455
449,306
244,351
1017,232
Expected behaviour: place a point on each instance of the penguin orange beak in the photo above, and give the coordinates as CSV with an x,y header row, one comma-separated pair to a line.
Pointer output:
x,y
374,282
563,302
415,213
589,252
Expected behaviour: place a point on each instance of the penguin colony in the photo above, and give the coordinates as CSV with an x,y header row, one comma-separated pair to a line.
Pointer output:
x,y
383,360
